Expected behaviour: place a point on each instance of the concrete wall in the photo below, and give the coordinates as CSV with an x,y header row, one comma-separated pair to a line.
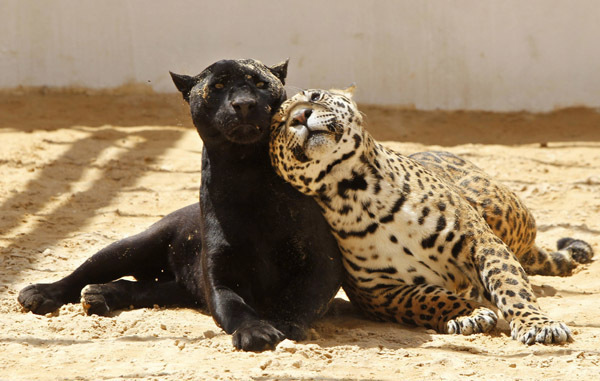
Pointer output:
x,y
498,55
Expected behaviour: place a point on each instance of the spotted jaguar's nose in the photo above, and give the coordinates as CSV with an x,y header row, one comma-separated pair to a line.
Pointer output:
x,y
299,117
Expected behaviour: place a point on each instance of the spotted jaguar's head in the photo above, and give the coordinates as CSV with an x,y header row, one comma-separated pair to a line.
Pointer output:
x,y
312,133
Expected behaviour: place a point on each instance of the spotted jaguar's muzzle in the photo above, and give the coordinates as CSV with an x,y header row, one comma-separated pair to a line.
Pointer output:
x,y
312,130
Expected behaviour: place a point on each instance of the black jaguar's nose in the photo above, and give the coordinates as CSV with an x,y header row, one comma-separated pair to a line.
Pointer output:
x,y
243,106
299,117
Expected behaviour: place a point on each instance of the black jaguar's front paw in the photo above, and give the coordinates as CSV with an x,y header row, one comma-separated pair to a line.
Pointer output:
x,y
257,336
42,298
291,330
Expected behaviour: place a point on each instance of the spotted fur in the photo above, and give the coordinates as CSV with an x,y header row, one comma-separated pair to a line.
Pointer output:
x,y
427,239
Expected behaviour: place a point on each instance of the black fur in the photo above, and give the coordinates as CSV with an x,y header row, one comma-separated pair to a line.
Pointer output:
x,y
256,254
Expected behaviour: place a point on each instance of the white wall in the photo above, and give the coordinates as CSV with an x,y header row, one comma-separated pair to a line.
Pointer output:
x,y
455,54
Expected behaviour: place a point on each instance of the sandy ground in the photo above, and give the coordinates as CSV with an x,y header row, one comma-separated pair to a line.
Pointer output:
x,y
79,171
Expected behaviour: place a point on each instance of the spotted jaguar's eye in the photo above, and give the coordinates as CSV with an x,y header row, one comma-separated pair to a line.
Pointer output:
x,y
219,86
260,85
315,97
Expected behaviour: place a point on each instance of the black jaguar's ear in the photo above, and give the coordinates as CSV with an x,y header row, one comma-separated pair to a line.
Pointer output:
x,y
184,84
280,70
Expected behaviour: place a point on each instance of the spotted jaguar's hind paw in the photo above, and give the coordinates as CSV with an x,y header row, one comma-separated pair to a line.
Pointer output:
x,y
580,251
481,320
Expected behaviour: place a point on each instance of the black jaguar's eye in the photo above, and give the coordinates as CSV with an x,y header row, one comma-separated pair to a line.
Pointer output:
x,y
219,86
315,97
260,85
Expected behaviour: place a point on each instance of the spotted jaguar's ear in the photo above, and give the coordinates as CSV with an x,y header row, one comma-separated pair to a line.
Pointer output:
x,y
184,84
280,70
347,92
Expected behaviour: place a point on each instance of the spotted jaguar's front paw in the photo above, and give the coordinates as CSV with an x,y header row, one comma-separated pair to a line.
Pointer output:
x,y
544,332
481,320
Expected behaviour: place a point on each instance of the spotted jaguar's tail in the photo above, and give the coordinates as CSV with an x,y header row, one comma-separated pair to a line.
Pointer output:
x,y
570,253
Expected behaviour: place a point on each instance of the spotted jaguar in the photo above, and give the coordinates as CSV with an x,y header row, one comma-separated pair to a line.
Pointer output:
x,y
427,239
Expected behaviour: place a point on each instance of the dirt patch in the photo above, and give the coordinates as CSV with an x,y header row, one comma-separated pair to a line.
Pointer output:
x,y
82,170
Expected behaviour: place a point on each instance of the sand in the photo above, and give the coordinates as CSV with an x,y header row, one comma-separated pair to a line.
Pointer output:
x,y
80,170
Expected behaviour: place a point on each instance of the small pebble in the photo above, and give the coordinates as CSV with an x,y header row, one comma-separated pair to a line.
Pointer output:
x,y
287,346
265,364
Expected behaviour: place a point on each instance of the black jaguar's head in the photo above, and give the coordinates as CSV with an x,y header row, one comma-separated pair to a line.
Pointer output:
x,y
233,100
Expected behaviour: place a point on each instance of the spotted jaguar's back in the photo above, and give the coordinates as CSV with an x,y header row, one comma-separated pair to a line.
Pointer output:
x,y
428,239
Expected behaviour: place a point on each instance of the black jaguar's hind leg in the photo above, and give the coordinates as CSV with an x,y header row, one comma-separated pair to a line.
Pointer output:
x,y
112,262
571,252
42,298
145,256
102,299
